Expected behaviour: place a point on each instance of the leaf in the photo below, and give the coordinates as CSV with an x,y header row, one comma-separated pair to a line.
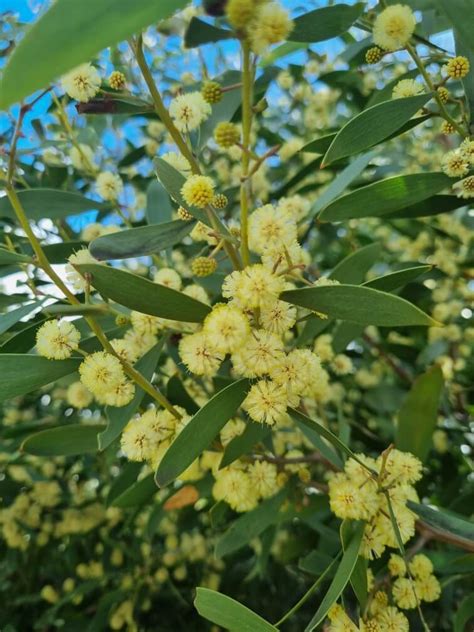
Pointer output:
x,y
119,417
359,304
158,205
287,48
319,145
254,433
22,373
431,206
464,614
177,394
10,318
313,435
67,440
446,523
372,126
144,296
342,181
141,241
250,525
461,15
40,203
354,267
7,257
326,23
228,613
200,431
394,280
341,578
24,340
418,414
385,93
200,32
137,494
52,46
126,478
359,574
385,196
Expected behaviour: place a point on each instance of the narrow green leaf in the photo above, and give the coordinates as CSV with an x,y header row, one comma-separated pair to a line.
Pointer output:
x,y
201,431
228,613
314,435
49,203
177,394
319,145
124,480
158,204
359,304
10,318
385,196
67,440
254,433
200,32
372,126
119,417
464,614
23,373
137,242
418,414
461,15
353,268
326,23
24,340
446,522
137,494
394,280
250,525
341,578
7,257
144,296
359,574
51,45
431,206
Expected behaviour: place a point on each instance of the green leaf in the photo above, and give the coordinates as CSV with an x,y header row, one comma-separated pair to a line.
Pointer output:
x,y
342,181
319,145
228,613
353,268
313,434
372,126
461,15
359,574
464,614
23,340
10,318
137,242
418,414
250,525
41,203
124,480
7,257
394,280
287,48
431,206
447,523
67,440
254,433
158,205
51,46
137,494
200,32
22,373
177,394
119,417
385,93
341,578
359,304
385,196
326,23
201,431
144,296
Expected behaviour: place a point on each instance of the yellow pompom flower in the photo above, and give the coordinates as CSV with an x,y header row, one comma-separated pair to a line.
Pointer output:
x,y
428,588
203,266
198,191
168,277
403,592
109,185
264,478
119,395
407,88
465,188
271,25
266,402
144,323
57,340
78,395
81,83
227,328
420,566
49,594
138,441
392,620
189,110
393,27
226,134
199,355
373,55
234,486
117,80
455,164
211,91
240,12
101,372
258,354
397,566
271,228
253,287
278,316
457,68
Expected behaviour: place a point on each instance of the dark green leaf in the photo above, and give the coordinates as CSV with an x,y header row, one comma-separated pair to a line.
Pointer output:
x,y
201,431
359,574
63,441
200,32
386,196
137,242
228,613
323,24
353,268
464,614
124,480
52,46
10,318
372,126
7,257
446,522
394,280
137,494
254,433
158,205
461,16
431,206
144,296
40,203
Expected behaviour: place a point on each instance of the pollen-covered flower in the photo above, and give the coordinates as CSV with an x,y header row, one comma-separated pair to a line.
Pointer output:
x,y
267,402
57,340
101,372
455,164
394,26
272,228
78,395
119,395
81,83
465,188
278,316
392,620
407,88
240,12
466,149
252,287
80,257
199,355
178,161
109,185
403,592
234,486
198,191
227,328
189,110
428,588
145,323
264,478
137,441
168,277
421,566
270,25
457,68
261,352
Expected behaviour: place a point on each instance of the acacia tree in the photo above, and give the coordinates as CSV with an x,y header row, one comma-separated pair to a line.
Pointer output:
x,y
235,352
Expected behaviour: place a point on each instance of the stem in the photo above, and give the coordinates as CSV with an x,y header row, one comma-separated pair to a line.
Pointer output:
x,y
444,112
246,129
